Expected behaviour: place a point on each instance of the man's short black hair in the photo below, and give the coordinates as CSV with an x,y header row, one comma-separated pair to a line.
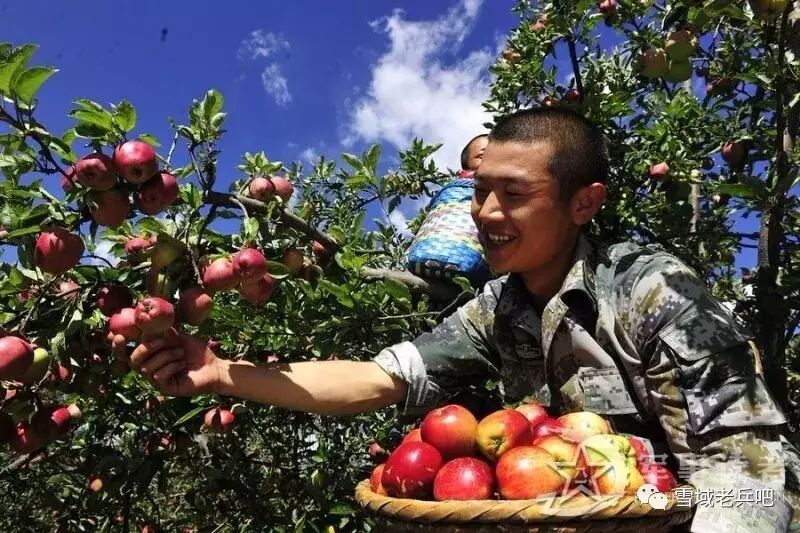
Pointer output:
x,y
465,151
580,152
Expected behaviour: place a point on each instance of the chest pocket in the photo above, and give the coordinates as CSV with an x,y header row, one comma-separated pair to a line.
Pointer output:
x,y
522,370
599,390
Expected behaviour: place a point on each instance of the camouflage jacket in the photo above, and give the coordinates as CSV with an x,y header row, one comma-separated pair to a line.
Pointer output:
x,y
634,335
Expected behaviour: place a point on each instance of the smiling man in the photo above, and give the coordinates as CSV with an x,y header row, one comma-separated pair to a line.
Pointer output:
x,y
625,331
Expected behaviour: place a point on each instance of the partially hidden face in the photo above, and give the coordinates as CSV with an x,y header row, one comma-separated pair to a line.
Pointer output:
x,y
476,150
523,224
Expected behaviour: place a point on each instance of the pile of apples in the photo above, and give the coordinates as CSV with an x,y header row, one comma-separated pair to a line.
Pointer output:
x,y
516,454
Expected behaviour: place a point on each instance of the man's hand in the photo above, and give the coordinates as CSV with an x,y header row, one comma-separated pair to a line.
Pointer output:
x,y
178,364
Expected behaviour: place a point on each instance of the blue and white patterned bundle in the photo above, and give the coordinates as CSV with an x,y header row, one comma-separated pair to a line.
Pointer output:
x,y
447,244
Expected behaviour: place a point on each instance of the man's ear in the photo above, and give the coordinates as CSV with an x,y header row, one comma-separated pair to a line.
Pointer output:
x,y
586,202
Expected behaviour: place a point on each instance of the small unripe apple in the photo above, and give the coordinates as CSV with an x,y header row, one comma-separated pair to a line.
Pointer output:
x,y
249,265
258,291
112,298
194,305
654,63
25,439
607,7
680,45
292,258
283,187
262,189
57,250
136,161
96,171
679,70
159,192
95,483
154,316
219,275
38,368
540,24
659,171
16,356
218,420
124,323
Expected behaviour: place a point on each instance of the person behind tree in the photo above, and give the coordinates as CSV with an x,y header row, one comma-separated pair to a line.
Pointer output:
x,y
626,331
472,155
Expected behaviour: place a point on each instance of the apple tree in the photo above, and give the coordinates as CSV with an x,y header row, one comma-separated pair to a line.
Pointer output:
x,y
277,263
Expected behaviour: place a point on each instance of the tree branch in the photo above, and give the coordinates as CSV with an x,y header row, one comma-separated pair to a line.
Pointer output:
x,y
437,289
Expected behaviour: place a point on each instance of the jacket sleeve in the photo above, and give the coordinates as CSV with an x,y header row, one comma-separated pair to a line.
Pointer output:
x,y
456,354
700,372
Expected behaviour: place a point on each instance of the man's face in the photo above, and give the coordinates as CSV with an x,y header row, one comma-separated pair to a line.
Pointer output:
x,y
476,149
523,225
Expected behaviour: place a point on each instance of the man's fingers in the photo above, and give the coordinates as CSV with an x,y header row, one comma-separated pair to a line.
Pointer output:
x,y
168,371
159,360
145,350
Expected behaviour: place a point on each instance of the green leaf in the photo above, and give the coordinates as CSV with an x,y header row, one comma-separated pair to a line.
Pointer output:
x,y
188,416
396,289
23,231
149,139
742,190
27,84
101,119
277,270
342,294
90,131
342,509
9,68
352,160
125,116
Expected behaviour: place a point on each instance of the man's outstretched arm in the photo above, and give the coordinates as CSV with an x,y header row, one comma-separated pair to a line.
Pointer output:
x,y
181,365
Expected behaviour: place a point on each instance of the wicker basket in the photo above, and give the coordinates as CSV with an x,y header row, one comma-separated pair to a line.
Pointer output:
x,y
562,514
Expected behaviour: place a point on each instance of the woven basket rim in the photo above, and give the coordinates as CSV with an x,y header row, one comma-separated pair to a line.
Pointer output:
x,y
542,510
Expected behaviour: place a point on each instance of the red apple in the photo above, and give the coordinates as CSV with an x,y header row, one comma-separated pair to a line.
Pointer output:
x,y
109,208
135,249
96,171
659,171
159,192
136,161
411,469
643,454
607,7
249,265
319,250
219,420
375,484
415,435
16,356
572,96
734,152
25,439
112,298
464,478
67,290
154,315
283,187
95,483
528,472
568,456
54,422
549,426
658,475
582,425
57,250
124,323
293,259
219,275
60,375
375,450
540,24
258,291
68,179
262,189
195,305
501,431
534,412
452,430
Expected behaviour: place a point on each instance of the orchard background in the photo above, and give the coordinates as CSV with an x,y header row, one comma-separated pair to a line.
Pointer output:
x,y
701,105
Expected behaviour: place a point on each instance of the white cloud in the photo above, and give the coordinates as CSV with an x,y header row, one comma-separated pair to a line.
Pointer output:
x,y
260,45
275,84
309,155
399,221
414,93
